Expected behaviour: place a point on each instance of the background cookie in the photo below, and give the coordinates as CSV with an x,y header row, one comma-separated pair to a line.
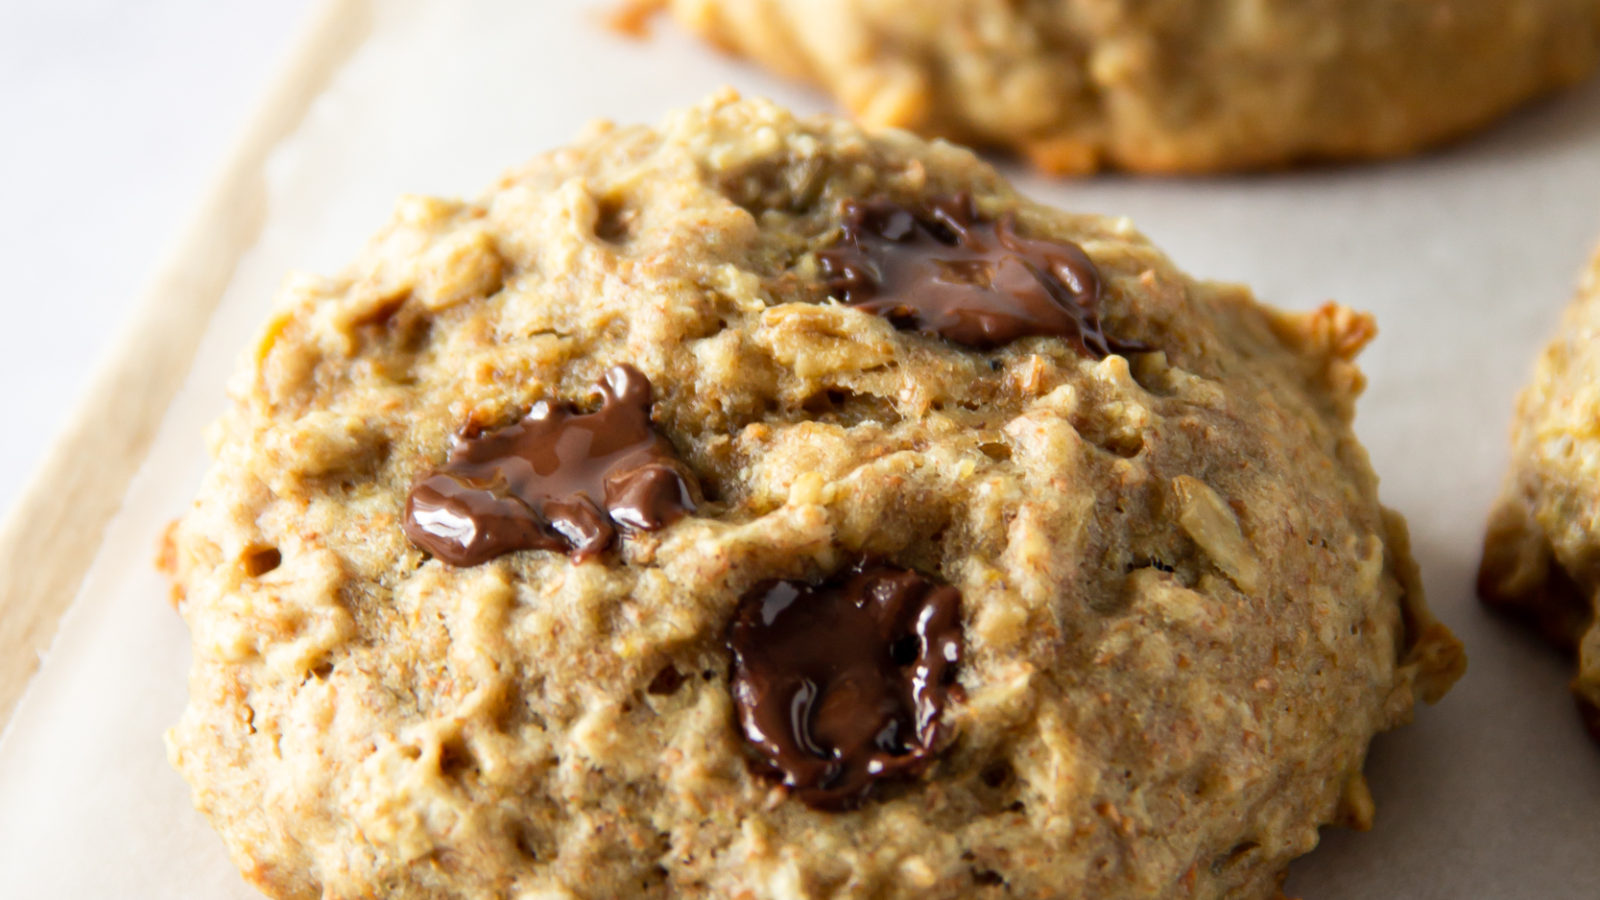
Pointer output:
x,y
1183,613
1076,85
1541,560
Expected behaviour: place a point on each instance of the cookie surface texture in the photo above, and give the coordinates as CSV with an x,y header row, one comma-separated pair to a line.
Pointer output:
x,y
1106,602
1541,559
1179,86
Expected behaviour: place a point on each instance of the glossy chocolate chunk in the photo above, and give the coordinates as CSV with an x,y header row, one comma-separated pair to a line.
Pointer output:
x,y
945,271
841,684
557,480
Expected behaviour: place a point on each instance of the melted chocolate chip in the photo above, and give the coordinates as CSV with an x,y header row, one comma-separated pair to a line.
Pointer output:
x,y
841,684
946,272
557,480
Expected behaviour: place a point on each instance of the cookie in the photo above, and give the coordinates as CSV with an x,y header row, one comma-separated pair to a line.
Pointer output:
x,y
1541,557
756,507
1079,85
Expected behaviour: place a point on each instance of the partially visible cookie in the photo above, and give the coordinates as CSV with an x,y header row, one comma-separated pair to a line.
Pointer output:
x,y
755,507
1541,559
1186,86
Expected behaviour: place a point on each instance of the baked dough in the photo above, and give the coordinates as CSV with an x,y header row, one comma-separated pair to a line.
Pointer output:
x,y
1541,560
1168,86
1179,611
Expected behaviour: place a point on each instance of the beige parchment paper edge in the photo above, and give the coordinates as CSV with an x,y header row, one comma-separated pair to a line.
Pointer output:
x,y
53,533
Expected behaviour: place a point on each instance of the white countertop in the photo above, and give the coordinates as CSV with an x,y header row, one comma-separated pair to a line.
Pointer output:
x,y
118,113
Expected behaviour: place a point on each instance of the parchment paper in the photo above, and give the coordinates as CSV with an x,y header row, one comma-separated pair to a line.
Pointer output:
x,y
1466,256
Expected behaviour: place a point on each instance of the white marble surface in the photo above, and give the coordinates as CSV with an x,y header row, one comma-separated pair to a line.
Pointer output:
x,y
117,114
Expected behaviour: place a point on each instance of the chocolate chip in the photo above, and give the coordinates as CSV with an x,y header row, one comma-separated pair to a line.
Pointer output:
x,y
841,684
557,480
945,271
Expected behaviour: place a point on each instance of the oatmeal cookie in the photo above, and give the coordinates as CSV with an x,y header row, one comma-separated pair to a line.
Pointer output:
x,y
1176,86
1541,558
756,507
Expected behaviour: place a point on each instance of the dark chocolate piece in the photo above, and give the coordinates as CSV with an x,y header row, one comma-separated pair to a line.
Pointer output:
x,y
557,480
946,272
841,684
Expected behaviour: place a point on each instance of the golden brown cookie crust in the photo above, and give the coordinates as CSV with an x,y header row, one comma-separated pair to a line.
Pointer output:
x,y
1541,559
1178,86
1185,611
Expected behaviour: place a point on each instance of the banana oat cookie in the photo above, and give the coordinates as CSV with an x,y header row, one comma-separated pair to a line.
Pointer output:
x,y
1177,86
1541,559
754,507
